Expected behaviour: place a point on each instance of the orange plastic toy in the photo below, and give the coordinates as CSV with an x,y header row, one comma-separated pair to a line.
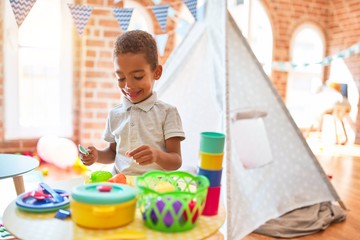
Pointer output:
x,y
118,178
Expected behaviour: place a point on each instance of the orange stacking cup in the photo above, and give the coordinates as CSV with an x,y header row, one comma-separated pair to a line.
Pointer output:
x,y
211,161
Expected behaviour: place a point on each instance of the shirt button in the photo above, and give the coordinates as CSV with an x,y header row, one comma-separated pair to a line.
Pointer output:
x,y
132,124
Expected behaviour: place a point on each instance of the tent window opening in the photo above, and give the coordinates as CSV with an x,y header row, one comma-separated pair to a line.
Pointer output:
x,y
254,22
38,72
251,144
305,81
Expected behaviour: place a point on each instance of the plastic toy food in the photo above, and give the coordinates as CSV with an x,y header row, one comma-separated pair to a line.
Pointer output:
x,y
100,176
164,186
118,178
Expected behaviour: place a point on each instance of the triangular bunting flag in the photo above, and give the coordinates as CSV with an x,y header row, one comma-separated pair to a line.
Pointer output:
x,y
21,9
81,14
192,6
123,16
161,13
161,41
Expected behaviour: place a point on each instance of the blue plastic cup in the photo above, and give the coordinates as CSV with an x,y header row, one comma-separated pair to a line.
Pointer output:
x,y
212,142
214,176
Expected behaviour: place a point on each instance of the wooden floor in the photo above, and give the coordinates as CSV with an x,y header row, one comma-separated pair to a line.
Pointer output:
x,y
342,163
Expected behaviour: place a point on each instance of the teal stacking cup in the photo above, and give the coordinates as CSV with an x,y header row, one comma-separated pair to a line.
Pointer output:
x,y
212,142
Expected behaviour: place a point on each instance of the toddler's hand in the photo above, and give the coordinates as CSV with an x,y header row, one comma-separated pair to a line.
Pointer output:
x,y
143,154
91,158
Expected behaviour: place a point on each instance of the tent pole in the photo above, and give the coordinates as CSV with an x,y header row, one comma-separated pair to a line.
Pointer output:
x,y
227,129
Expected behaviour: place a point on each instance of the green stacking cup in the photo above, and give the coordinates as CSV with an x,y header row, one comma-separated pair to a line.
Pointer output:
x,y
212,142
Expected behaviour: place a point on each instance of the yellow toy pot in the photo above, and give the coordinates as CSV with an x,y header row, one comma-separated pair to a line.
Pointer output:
x,y
103,205
211,161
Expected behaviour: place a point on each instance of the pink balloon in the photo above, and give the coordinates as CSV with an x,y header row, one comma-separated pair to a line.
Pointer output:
x,y
46,146
64,153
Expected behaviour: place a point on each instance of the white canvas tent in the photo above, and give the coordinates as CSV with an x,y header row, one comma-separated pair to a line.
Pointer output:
x,y
214,74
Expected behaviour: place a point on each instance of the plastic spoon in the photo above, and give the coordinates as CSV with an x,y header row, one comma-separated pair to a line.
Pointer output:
x,y
51,191
83,150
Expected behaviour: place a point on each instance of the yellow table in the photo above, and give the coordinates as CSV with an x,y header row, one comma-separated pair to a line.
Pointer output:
x,y
25,225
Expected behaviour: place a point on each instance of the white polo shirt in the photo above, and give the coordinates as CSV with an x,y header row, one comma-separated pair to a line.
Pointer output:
x,y
149,122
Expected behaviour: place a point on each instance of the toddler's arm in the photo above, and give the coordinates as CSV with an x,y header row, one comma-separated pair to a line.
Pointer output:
x,y
169,160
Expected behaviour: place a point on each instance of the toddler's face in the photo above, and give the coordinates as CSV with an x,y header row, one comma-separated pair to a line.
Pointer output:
x,y
135,76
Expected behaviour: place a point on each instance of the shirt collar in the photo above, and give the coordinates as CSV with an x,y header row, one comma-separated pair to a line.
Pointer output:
x,y
144,105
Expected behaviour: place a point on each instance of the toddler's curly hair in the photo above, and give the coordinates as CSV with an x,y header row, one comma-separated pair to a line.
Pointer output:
x,y
138,42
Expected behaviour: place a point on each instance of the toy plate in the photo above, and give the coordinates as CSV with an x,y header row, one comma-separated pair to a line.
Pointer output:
x,y
45,205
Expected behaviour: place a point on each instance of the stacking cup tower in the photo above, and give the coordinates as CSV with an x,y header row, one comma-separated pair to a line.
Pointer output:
x,y
210,165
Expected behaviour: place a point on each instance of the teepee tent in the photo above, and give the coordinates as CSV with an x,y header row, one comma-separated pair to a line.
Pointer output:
x,y
215,81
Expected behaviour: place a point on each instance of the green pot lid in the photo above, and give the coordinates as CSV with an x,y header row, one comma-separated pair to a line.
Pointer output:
x,y
103,193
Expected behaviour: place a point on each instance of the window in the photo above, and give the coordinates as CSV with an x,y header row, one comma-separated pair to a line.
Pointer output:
x,y
304,82
254,23
38,71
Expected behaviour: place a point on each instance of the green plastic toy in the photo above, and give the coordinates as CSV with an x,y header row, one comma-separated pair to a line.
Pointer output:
x,y
100,176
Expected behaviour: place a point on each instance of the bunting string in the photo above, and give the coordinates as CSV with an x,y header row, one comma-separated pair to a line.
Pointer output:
x,y
287,66
172,3
82,13
123,15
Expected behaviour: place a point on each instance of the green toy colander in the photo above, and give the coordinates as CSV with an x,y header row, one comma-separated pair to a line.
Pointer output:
x,y
171,201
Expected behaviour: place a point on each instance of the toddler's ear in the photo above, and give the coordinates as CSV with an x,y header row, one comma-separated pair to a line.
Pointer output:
x,y
158,72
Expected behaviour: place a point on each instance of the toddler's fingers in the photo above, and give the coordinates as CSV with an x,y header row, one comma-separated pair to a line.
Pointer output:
x,y
145,163
136,150
87,161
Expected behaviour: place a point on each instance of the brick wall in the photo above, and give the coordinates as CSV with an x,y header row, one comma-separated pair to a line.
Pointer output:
x,y
95,87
